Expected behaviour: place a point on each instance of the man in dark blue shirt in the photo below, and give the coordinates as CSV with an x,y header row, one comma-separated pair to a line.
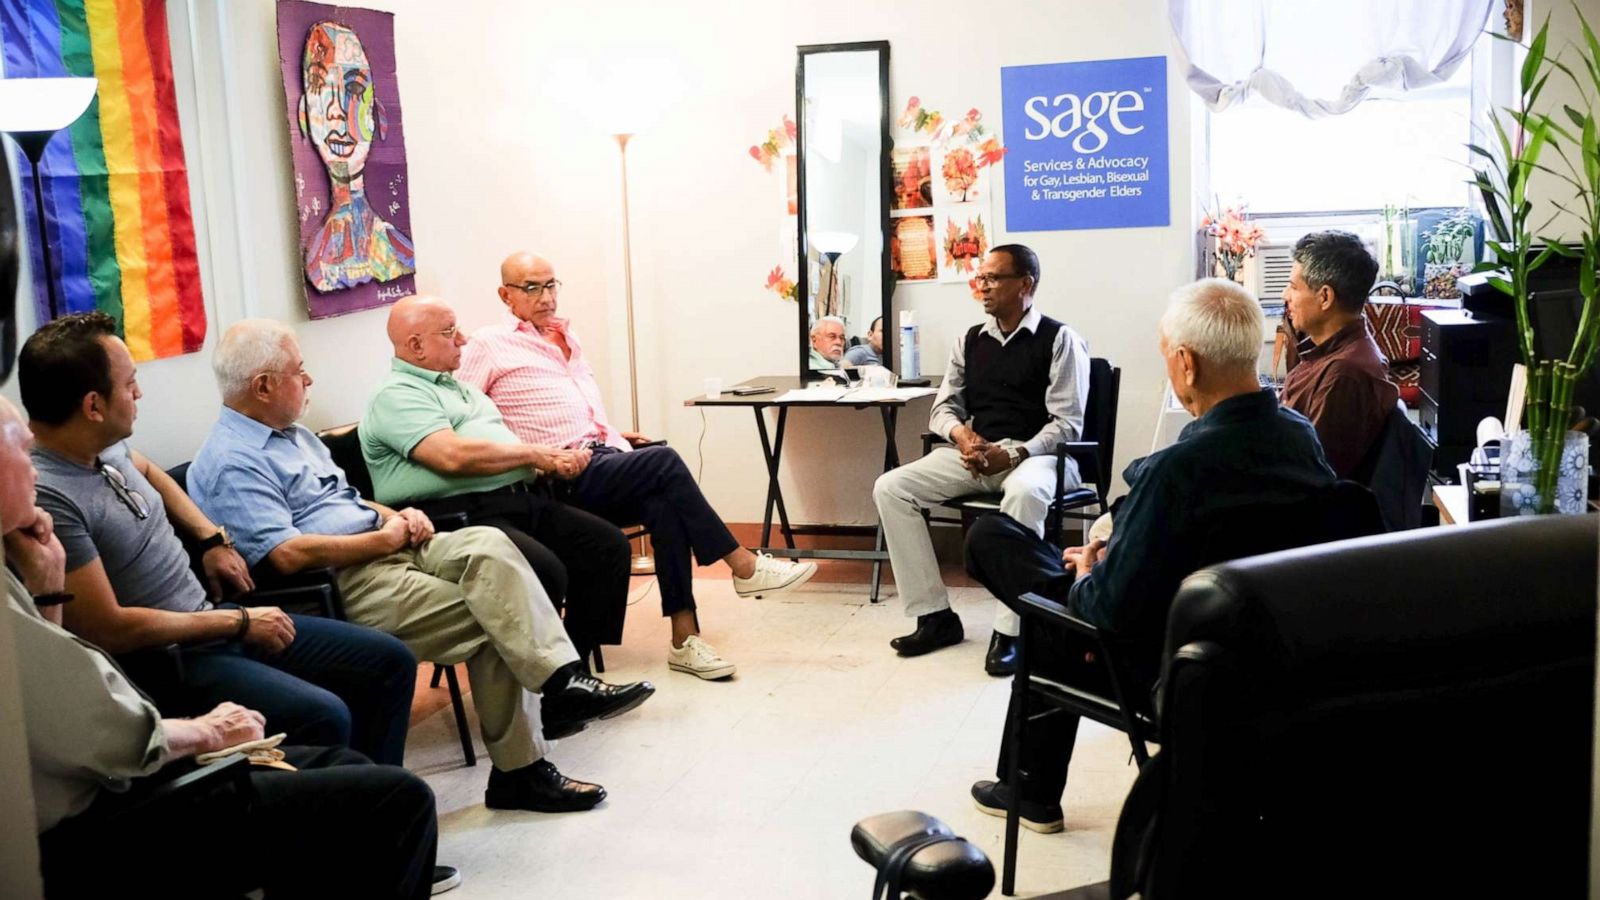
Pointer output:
x,y
1242,452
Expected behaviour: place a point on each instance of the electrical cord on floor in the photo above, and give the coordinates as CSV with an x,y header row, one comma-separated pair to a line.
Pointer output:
x,y
700,447
644,593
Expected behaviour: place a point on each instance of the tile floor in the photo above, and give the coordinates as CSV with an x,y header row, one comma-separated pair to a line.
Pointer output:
x,y
749,787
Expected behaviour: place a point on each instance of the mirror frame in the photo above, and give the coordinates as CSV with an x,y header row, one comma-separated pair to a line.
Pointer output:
x,y
885,200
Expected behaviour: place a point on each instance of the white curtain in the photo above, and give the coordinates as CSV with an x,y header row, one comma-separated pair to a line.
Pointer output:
x,y
1321,58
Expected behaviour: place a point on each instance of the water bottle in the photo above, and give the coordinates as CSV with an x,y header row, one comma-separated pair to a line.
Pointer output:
x,y
910,347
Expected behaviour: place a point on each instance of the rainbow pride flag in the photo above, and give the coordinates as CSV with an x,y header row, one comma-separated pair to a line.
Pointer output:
x,y
116,186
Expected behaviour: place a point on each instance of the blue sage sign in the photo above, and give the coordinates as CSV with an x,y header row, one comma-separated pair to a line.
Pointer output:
x,y
1086,144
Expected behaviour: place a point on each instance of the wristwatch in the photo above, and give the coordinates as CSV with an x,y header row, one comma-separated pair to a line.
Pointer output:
x,y
220,539
1015,455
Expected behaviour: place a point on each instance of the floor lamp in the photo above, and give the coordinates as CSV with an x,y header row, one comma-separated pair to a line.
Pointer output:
x,y
830,246
32,111
643,562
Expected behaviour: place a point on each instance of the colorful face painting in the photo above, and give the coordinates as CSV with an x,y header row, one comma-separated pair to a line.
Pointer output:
x,y
340,115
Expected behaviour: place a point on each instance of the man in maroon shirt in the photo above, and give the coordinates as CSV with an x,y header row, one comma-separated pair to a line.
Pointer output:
x,y
1340,381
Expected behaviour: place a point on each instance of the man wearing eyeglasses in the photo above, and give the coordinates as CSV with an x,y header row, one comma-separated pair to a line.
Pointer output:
x,y
535,371
460,596
431,441
1014,391
118,515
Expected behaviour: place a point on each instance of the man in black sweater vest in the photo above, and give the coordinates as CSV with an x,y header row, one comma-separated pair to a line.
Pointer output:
x,y
1014,391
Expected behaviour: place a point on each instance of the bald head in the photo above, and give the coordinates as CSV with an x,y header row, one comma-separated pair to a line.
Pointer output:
x,y
528,288
414,315
423,332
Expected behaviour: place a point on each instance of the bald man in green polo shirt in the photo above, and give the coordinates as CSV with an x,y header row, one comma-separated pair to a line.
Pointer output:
x,y
440,445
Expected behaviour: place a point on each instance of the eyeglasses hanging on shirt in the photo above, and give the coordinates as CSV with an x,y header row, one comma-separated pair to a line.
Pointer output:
x,y
133,500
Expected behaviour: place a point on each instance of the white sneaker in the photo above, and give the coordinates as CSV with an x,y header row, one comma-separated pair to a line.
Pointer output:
x,y
774,576
698,658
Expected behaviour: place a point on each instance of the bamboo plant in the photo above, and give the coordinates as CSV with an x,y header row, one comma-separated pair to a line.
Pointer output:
x,y
1563,145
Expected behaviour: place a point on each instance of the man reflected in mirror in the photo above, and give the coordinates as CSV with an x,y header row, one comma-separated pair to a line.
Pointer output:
x,y
870,351
827,343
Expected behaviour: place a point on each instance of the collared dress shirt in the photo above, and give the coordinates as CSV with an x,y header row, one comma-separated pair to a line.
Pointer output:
x,y
89,729
1064,399
545,397
1342,385
270,485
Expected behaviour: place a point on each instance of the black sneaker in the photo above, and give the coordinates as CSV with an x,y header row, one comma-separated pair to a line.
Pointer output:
x,y
993,797
445,879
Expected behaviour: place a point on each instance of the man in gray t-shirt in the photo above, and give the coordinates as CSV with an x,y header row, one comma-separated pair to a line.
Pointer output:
x,y
143,558
119,517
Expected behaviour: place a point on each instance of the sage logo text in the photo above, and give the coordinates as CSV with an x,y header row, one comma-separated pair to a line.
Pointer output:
x,y
1082,115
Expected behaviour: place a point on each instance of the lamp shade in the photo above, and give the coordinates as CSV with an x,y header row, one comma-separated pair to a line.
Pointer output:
x,y
834,243
43,104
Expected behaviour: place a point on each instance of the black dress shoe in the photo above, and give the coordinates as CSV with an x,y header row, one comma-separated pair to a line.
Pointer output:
x,y
541,788
1002,658
584,698
934,630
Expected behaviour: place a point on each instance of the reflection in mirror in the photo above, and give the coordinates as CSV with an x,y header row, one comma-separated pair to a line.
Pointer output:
x,y
844,286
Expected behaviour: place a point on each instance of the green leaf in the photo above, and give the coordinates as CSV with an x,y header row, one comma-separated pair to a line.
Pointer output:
x,y
1563,250
1530,66
1574,115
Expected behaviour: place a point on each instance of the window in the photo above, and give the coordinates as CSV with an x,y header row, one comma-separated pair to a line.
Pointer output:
x,y
1393,149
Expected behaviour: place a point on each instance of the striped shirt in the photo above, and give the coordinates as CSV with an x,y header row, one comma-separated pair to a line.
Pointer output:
x,y
544,397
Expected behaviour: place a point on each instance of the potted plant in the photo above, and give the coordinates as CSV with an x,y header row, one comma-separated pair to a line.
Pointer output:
x,y
1543,471
1236,235
1448,247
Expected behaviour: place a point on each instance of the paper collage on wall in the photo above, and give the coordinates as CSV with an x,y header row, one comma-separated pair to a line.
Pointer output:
x,y
942,185
348,142
778,150
116,184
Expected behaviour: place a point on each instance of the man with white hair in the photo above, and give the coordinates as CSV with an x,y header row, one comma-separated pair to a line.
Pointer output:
x,y
827,343
1242,450
465,595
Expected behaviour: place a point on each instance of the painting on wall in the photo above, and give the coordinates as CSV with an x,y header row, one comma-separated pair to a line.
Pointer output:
x,y
913,252
348,142
913,181
117,215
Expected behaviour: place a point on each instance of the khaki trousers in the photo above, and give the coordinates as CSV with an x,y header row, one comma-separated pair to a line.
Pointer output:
x,y
469,596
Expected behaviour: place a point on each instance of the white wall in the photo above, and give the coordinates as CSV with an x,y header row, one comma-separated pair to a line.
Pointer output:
x,y
501,160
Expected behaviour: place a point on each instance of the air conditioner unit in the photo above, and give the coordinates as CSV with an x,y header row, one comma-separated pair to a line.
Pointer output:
x,y
1270,273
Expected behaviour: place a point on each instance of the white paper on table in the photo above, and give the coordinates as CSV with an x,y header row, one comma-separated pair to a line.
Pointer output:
x,y
818,394
874,395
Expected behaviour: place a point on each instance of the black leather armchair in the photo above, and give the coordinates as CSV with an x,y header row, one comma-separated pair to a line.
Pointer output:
x,y
1405,715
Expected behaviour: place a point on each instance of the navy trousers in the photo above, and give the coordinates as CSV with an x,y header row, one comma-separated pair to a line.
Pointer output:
x,y
337,684
653,487
1010,560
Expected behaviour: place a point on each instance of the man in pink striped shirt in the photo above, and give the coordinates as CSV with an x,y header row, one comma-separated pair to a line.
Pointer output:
x,y
535,371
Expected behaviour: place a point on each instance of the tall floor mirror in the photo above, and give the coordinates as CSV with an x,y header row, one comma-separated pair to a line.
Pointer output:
x,y
844,283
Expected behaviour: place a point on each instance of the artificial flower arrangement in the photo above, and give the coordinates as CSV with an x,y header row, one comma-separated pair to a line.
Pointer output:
x,y
1237,237
780,284
778,140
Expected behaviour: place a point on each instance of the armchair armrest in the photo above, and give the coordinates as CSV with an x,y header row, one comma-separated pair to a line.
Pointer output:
x,y
929,439
660,443
324,598
1056,613
230,771
454,521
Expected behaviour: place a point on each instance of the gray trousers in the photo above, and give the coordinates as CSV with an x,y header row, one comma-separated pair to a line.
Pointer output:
x,y
469,596
902,494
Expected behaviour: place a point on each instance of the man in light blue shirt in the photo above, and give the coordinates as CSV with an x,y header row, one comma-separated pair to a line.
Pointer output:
x,y
462,596
870,351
